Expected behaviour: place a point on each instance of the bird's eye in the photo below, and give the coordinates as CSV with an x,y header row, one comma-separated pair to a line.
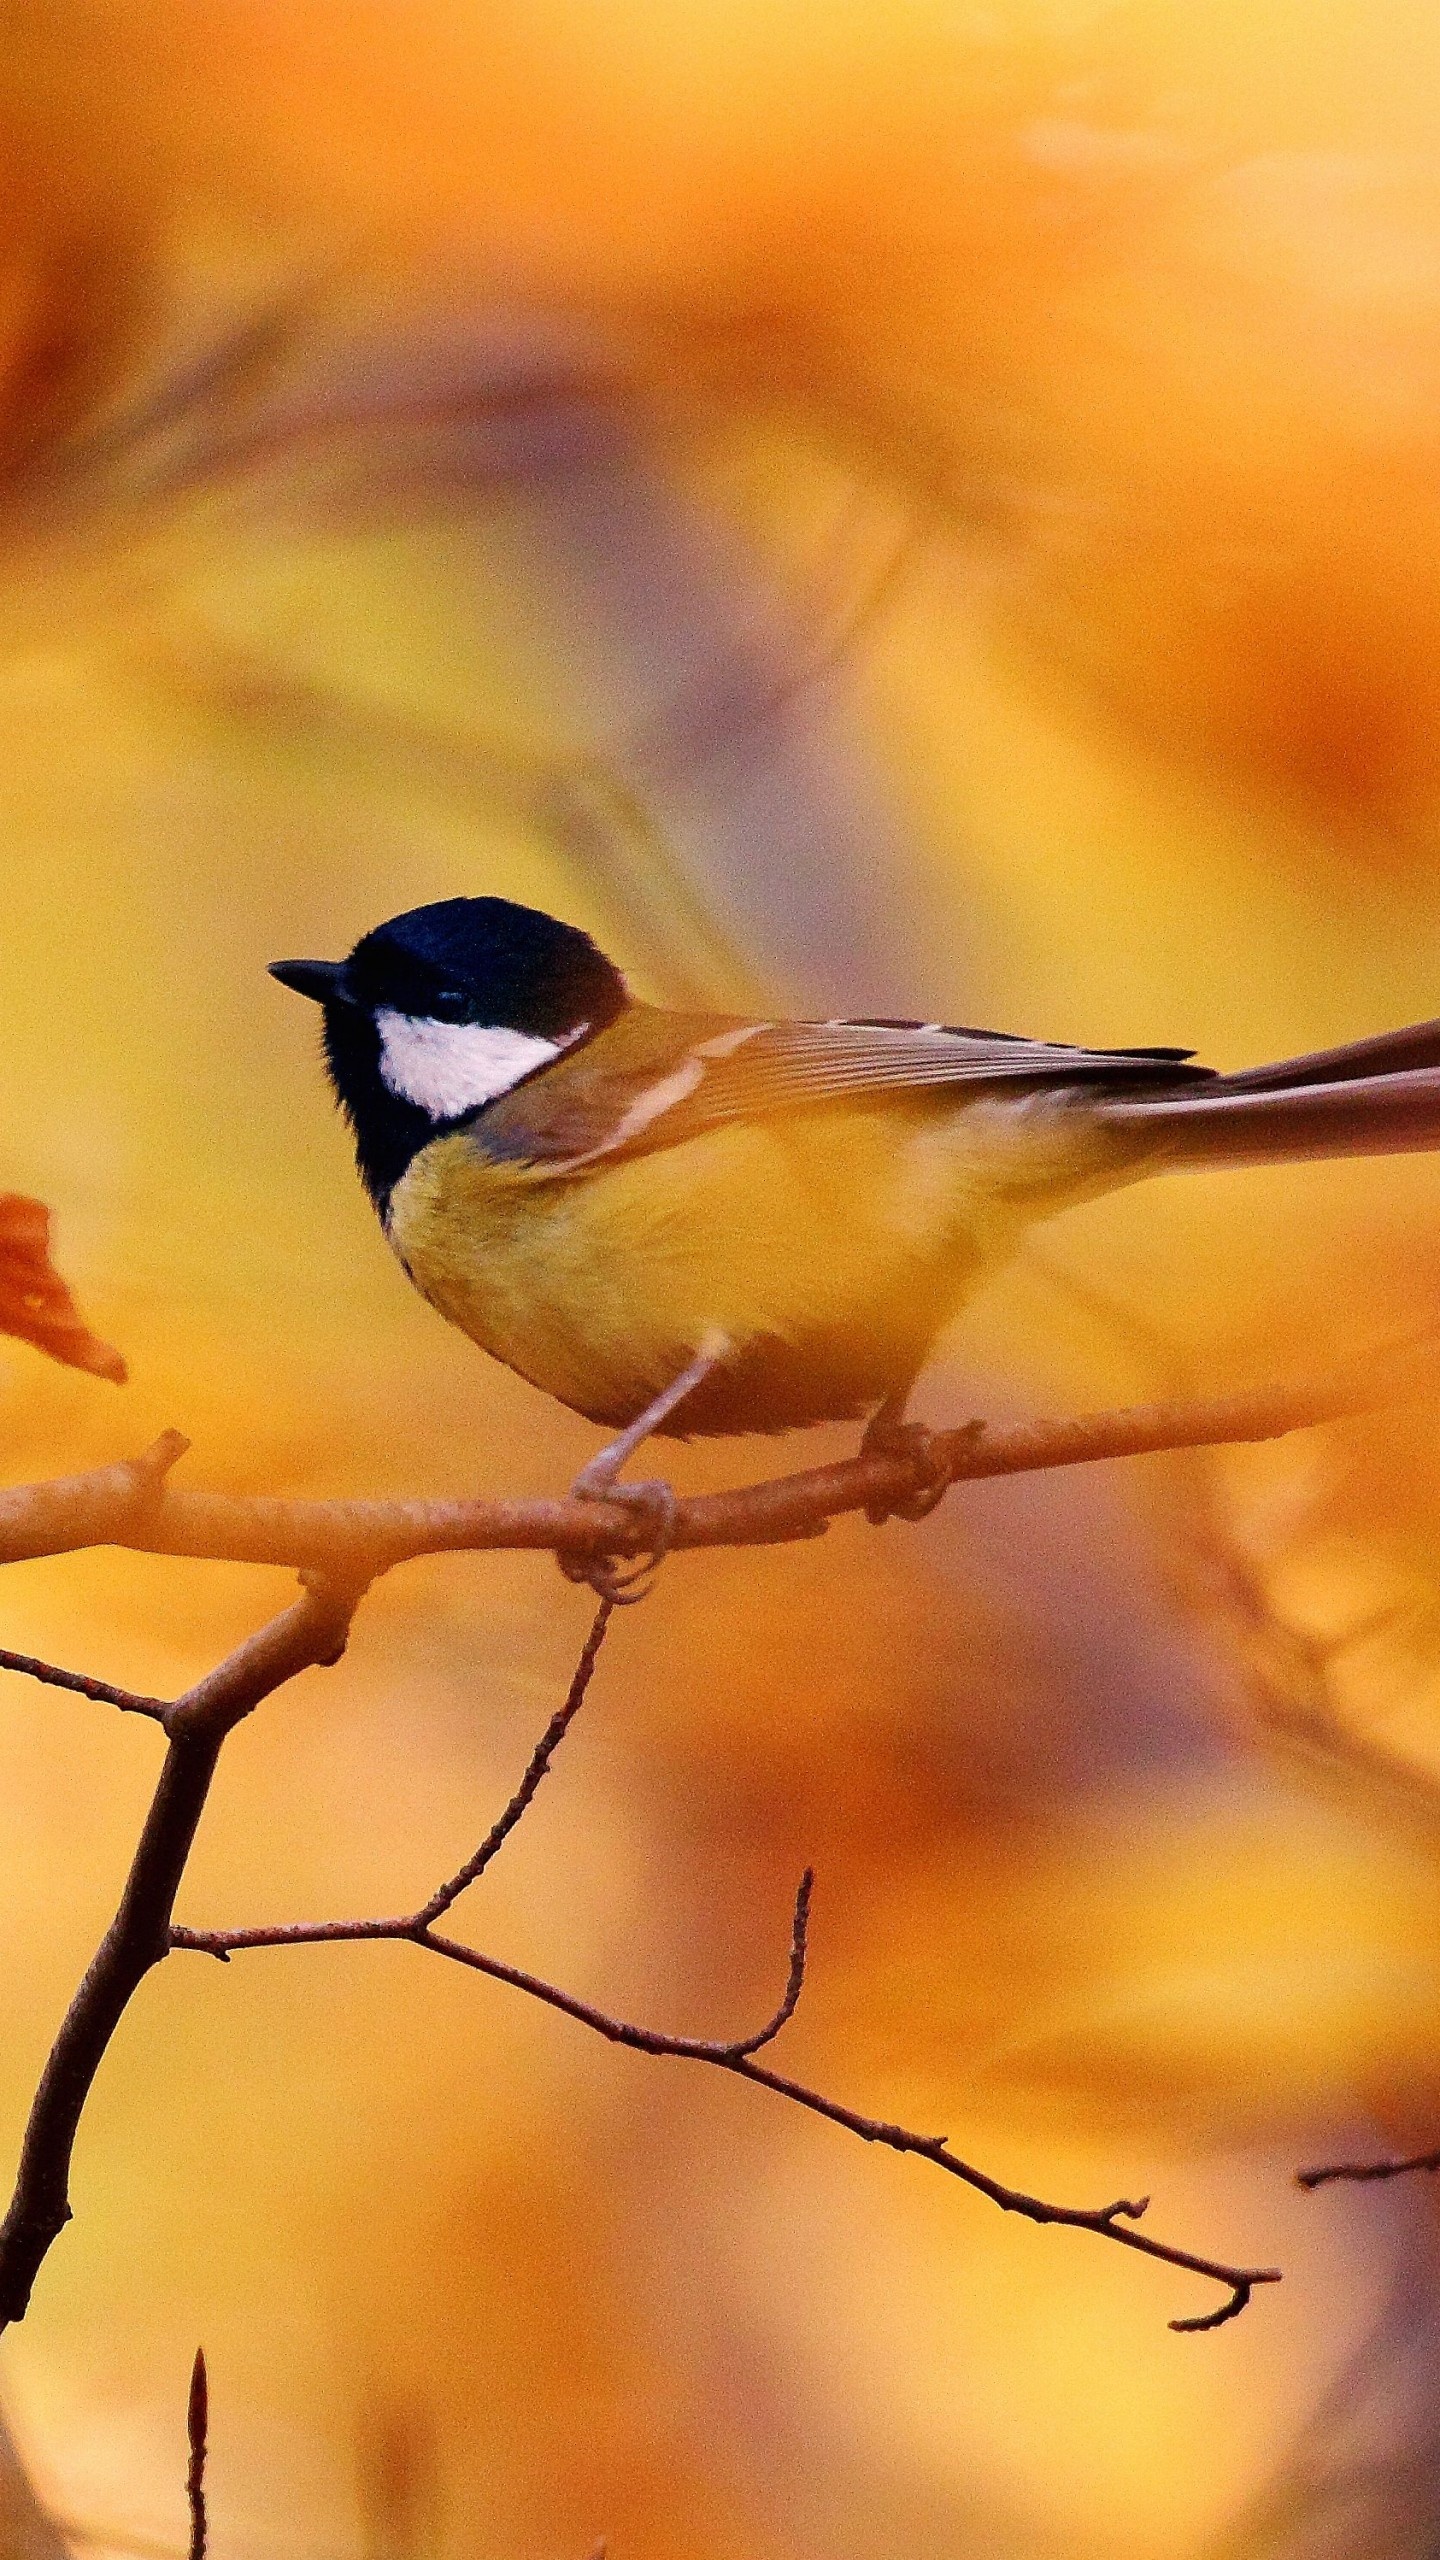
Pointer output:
x,y
450,1004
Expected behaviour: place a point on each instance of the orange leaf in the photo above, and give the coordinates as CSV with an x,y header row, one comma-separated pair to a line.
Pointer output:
x,y
35,1304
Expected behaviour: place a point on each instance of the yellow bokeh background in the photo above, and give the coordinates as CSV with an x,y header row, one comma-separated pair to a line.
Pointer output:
x,y
905,509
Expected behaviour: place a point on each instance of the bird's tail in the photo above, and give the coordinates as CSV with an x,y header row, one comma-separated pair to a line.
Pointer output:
x,y
1373,1098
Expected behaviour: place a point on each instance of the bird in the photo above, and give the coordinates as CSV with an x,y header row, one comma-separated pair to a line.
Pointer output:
x,y
705,1223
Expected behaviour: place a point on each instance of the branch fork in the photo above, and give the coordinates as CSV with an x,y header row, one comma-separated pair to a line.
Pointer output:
x,y
196,1726
339,1548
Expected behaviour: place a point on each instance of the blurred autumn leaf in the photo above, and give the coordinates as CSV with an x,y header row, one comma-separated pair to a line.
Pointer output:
x,y
35,1302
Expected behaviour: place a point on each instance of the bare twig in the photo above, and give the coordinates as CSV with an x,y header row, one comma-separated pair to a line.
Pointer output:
x,y
197,2423
1109,2222
341,1546
132,1702
129,1506
795,1980
536,1767
196,1725
1366,2172
735,2054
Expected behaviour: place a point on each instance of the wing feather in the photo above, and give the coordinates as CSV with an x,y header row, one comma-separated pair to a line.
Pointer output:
x,y
671,1077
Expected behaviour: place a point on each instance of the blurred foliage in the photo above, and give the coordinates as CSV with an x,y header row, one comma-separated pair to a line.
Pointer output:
x,y
906,509
35,1304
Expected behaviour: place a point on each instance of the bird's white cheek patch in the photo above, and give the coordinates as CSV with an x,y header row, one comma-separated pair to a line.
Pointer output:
x,y
449,1068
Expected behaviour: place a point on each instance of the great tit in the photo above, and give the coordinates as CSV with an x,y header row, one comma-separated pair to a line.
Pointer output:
x,y
694,1222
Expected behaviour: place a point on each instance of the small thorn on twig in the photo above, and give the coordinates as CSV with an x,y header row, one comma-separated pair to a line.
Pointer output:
x,y
197,2428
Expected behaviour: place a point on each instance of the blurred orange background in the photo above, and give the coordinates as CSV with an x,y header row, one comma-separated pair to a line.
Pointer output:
x,y
908,509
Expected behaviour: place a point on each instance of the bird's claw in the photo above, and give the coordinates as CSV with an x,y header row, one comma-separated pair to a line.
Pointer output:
x,y
623,1583
916,1443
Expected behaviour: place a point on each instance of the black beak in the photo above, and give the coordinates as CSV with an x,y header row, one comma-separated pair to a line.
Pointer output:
x,y
323,981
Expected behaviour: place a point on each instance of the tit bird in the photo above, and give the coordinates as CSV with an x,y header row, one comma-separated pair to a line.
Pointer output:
x,y
694,1222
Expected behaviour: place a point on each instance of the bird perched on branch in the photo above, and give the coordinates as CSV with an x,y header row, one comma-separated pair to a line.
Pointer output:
x,y
683,1222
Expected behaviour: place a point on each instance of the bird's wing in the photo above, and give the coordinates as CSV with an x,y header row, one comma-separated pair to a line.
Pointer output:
x,y
655,1079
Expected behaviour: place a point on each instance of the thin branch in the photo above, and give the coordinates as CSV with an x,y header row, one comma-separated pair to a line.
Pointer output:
x,y
196,1725
143,1932
1364,2172
197,2420
132,1702
131,1506
340,1548
736,2055
795,1983
524,1796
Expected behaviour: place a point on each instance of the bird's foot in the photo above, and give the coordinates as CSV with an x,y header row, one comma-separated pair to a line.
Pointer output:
x,y
623,1581
887,1436
615,1579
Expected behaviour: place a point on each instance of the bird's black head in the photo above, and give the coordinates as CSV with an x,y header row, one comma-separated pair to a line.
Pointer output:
x,y
440,1011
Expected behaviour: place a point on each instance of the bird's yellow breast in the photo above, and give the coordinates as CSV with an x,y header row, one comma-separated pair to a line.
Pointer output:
x,y
847,1234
